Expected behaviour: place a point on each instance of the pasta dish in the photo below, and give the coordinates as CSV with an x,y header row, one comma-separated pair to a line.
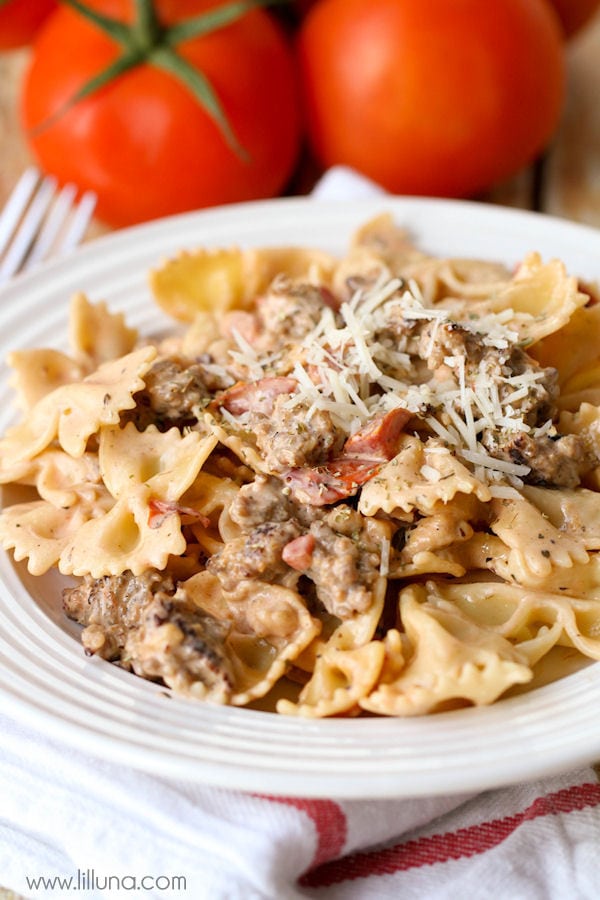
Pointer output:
x,y
364,485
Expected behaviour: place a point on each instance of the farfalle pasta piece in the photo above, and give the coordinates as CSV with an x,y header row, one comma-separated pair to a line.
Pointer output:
x,y
24,441
203,331
344,667
585,422
340,680
427,562
74,412
224,279
387,241
481,551
396,648
269,628
451,660
533,621
64,480
419,476
166,462
574,512
39,372
212,497
212,494
542,296
574,351
583,387
381,245
473,279
535,545
451,281
97,335
486,551
146,472
100,398
580,580
238,444
446,524
377,247
126,537
72,493
40,532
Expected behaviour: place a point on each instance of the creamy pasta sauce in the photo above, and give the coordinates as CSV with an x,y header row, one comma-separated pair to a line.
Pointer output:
x,y
364,485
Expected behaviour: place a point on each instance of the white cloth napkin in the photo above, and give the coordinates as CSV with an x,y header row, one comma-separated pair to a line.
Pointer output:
x,y
72,825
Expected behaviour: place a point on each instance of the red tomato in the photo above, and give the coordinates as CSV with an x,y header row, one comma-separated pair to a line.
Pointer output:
x,y
143,142
20,19
574,14
433,97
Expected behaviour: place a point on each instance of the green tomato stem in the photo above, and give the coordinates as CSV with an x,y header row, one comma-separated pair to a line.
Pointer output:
x,y
149,41
147,30
122,64
195,81
213,20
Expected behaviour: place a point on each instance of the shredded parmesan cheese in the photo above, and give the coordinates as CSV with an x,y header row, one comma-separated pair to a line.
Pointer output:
x,y
482,458
357,364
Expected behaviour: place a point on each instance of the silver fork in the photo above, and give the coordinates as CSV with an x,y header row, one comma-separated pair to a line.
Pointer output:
x,y
39,221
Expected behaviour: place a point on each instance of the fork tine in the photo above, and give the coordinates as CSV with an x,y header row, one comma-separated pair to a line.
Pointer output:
x,y
78,224
52,226
16,205
36,223
28,228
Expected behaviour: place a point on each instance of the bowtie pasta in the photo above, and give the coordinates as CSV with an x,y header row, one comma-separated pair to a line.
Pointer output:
x,y
341,486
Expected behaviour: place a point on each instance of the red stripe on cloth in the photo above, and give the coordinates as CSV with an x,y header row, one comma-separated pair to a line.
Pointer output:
x,y
330,824
439,848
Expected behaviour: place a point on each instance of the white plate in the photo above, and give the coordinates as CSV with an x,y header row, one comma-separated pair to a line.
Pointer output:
x,y
47,680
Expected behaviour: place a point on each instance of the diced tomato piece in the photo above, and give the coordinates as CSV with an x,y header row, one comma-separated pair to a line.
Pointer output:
x,y
298,553
378,439
334,481
256,395
245,323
